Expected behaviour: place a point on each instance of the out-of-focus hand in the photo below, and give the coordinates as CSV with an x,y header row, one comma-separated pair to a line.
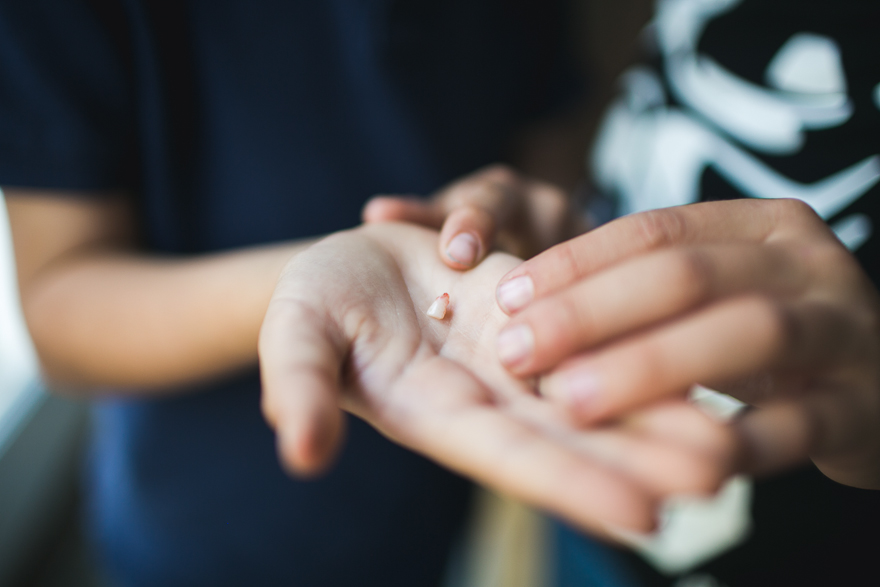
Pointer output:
x,y
755,298
347,327
493,207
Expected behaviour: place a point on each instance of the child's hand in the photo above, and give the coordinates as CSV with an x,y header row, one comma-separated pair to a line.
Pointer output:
x,y
493,207
347,327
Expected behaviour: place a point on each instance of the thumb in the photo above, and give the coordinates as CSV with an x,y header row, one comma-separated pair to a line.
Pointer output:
x,y
300,366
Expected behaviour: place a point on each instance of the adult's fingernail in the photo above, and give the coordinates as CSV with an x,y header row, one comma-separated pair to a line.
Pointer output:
x,y
577,388
463,249
516,294
515,344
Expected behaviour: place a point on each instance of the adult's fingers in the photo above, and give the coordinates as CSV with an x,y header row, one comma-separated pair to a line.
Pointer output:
x,y
476,208
643,291
466,236
743,221
835,426
723,342
470,211
299,365
443,412
520,216
660,467
468,230
669,448
403,209
494,205
681,423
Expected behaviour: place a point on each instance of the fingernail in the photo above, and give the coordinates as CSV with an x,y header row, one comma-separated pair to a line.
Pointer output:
x,y
577,388
516,294
463,249
583,389
515,344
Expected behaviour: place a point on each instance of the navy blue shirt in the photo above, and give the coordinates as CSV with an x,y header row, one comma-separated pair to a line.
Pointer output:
x,y
234,123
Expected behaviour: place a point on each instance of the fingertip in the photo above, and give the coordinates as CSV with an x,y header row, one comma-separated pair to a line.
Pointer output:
x,y
463,251
402,209
381,209
515,346
515,292
466,236
579,391
509,276
774,437
307,451
638,536
630,515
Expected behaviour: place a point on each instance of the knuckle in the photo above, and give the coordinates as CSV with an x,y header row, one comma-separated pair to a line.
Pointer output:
x,y
569,258
573,320
776,326
799,214
500,173
466,212
548,199
647,360
459,194
693,272
795,209
479,192
659,228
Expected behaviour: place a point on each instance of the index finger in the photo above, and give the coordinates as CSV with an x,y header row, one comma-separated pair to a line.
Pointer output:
x,y
708,222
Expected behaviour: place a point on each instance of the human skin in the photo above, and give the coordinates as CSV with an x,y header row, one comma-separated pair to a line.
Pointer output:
x,y
493,207
347,328
105,315
755,298
348,314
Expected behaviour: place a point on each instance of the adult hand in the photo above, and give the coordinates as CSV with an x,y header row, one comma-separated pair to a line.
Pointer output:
x,y
494,206
347,327
755,298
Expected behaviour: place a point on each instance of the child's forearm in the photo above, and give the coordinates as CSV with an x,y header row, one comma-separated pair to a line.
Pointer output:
x,y
126,321
103,315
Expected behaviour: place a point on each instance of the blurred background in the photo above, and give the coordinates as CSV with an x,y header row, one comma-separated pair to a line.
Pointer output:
x,y
40,448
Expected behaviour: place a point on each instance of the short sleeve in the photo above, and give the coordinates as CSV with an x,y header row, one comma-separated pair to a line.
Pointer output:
x,y
65,95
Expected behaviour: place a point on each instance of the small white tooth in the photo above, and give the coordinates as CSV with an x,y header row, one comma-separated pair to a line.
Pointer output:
x,y
438,308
